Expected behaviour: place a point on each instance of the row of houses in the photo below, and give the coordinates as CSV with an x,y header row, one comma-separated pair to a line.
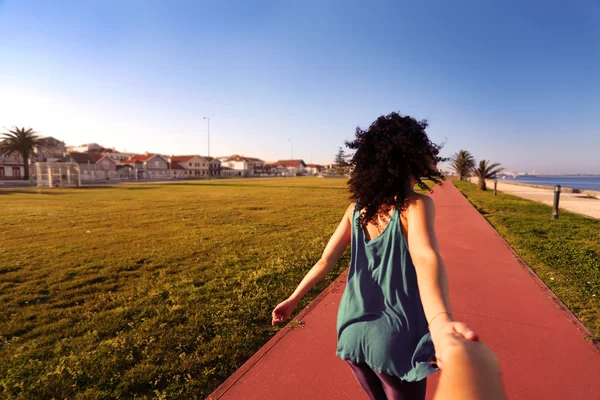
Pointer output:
x,y
98,163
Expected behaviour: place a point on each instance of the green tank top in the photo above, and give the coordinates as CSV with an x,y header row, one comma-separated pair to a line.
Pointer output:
x,y
381,321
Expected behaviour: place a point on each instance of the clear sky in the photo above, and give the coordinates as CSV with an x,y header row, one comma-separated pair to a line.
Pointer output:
x,y
517,82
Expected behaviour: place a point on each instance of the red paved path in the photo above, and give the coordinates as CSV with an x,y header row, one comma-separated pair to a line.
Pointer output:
x,y
542,351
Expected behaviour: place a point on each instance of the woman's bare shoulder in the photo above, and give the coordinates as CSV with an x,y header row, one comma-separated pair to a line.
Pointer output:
x,y
350,209
420,203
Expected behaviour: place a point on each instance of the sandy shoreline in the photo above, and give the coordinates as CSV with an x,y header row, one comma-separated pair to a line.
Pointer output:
x,y
563,189
584,202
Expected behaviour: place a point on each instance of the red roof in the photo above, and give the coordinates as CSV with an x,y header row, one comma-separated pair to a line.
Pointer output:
x,y
142,157
237,157
79,158
175,165
98,156
182,158
290,163
314,166
131,161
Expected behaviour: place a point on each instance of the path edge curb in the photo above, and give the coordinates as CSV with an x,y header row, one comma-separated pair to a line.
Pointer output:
x,y
241,371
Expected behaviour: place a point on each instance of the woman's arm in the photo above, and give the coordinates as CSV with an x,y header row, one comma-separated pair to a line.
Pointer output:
x,y
332,253
424,251
431,272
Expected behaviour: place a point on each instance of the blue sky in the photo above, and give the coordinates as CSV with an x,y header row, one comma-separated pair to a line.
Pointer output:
x,y
517,82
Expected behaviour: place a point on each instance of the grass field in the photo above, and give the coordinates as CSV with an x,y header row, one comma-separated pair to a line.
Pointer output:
x,y
151,291
565,253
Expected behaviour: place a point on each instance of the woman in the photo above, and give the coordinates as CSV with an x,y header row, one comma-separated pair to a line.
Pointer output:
x,y
395,307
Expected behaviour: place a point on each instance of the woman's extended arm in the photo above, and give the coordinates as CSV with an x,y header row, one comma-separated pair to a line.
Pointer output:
x,y
431,272
332,253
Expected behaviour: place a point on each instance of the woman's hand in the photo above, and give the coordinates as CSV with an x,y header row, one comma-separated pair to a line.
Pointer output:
x,y
442,329
283,311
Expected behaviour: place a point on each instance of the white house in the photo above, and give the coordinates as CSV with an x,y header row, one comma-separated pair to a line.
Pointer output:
x,y
194,166
106,167
247,166
176,171
149,166
274,169
314,169
215,166
293,167
12,167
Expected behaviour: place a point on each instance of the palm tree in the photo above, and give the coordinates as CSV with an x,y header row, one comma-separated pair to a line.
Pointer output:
x,y
22,141
462,163
485,171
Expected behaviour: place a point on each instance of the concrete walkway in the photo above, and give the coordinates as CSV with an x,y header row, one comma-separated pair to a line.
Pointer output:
x,y
574,202
541,346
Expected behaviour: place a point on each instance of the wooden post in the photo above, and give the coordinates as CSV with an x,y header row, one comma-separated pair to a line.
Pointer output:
x,y
556,199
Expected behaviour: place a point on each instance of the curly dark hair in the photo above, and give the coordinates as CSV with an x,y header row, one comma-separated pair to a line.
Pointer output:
x,y
393,149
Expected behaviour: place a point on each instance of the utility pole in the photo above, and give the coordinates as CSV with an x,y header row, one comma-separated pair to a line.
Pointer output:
x,y
209,163
292,160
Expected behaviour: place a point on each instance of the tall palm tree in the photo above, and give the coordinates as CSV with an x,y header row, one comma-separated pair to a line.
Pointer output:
x,y
484,171
462,163
22,141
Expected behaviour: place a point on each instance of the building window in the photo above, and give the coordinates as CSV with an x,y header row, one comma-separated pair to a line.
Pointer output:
x,y
1,172
16,172
189,164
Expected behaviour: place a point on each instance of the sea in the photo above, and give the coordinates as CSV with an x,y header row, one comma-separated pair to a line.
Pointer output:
x,y
573,182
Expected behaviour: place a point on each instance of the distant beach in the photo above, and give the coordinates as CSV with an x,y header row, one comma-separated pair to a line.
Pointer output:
x,y
572,182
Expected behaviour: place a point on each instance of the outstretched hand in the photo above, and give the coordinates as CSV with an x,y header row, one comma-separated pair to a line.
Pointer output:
x,y
283,311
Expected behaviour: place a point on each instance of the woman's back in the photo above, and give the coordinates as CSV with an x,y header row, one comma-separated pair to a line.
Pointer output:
x,y
381,321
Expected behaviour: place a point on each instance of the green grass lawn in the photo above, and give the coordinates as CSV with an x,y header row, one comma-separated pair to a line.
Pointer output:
x,y
565,253
151,291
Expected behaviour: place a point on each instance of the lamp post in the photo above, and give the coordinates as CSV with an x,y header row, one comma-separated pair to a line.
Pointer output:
x,y
209,163
292,160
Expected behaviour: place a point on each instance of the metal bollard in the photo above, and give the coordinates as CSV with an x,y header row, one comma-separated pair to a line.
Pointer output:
x,y
556,198
495,186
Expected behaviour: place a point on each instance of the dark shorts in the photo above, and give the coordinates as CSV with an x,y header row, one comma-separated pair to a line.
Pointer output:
x,y
380,386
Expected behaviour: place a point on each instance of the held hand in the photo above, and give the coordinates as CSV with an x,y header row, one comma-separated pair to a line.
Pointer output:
x,y
456,347
283,311
443,328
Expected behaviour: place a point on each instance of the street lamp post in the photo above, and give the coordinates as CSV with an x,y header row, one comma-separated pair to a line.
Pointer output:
x,y
209,163
292,160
